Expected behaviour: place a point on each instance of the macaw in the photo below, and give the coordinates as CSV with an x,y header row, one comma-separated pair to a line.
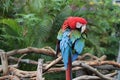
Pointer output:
x,y
70,40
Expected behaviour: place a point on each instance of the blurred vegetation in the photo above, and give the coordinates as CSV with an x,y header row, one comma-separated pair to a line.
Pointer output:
x,y
25,23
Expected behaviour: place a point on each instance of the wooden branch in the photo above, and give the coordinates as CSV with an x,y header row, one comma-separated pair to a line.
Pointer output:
x,y
107,67
21,73
15,66
4,62
95,71
87,55
91,57
39,69
97,63
76,65
91,63
28,61
9,77
102,65
46,51
87,77
52,63
104,57
54,70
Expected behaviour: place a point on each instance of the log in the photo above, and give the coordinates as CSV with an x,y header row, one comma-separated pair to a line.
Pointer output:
x,y
39,70
4,62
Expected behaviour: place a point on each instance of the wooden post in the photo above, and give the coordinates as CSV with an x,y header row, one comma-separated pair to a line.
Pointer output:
x,y
4,62
40,69
69,70
118,60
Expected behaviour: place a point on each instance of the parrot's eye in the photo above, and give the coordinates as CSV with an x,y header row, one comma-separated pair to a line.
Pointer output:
x,y
78,25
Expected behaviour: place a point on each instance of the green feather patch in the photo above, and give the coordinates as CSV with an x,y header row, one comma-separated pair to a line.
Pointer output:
x,y
75,34
60,34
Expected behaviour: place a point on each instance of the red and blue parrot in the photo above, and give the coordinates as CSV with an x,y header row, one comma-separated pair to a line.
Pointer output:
x,y
70,41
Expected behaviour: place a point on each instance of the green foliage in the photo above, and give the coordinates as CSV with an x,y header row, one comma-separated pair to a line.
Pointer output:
x,y
6,8
36,30
10,34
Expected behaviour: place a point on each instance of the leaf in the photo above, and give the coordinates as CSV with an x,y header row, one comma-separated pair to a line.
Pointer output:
x,y
12,25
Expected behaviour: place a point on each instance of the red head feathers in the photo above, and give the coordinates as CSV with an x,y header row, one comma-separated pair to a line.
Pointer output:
x,y
71,22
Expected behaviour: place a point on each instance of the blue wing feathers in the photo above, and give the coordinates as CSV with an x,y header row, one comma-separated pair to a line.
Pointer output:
x,y
65,47
79,45
66,42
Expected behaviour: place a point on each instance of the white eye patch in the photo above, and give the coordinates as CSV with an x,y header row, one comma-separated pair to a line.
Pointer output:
x,y
78,25
83,28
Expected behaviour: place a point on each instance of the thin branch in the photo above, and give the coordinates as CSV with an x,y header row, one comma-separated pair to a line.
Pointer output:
x,y
52,63
21,58
28,61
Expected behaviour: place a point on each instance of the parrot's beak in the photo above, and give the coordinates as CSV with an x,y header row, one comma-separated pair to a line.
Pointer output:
x,y
83,28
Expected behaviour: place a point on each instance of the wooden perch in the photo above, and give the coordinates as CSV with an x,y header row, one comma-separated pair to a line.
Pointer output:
x,y
46,51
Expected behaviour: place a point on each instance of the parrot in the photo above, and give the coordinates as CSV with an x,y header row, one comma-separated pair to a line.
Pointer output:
x,y
70,41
